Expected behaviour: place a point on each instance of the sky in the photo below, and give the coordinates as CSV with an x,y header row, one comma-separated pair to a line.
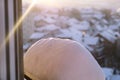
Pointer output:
x,y
77,3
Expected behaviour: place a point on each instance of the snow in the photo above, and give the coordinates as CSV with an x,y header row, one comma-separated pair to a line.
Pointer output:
x,y
108,36
108,72
65,33
86,10
70,33
64,18
115,77
72,21
37,18
95,22
53,16
91,40
104,21
50,27
36,35
117,34
113,27
49,20
99,28
50,11
26,46
98,15
84,25
88,47
90,13
73,28
75,34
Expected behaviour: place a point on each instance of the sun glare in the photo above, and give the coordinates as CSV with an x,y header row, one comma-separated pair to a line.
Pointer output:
x,y
58,3
45,3
16,26
74,3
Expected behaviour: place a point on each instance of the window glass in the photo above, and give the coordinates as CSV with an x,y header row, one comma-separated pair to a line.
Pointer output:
x,y
93,23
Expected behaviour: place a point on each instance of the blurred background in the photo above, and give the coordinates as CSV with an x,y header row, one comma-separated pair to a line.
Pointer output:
x,y
93,23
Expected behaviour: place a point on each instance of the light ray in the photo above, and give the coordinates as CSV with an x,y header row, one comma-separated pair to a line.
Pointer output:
x,y
16,26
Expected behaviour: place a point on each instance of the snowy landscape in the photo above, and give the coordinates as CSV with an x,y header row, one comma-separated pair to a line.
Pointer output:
x,y
97,29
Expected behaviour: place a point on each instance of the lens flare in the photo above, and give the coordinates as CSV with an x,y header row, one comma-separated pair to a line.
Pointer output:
x,y
16,26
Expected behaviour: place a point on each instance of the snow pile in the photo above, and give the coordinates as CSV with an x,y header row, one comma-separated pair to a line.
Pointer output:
x,y
82,25
115,77
109,74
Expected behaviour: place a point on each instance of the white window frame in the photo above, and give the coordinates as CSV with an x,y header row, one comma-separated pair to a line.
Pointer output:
x,y
11,54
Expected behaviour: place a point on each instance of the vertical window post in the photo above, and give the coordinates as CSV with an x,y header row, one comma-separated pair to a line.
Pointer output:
x,y
11,55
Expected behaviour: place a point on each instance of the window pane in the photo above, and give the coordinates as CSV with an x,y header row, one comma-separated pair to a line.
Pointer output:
x,y
92,23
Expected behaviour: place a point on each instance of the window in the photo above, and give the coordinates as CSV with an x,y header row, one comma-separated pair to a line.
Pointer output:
x,y
90,17
85,21
11,55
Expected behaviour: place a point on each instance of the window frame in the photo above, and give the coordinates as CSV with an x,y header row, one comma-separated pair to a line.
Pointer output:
x,y
11,50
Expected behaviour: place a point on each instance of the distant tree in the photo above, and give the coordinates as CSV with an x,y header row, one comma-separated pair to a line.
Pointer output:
x,y
61,12
107,13
74,13
36,9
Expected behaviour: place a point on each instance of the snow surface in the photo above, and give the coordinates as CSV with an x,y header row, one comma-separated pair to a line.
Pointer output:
x,y
46,19
115,77
49,20
50,27
36,35
113,27
109,36
108,72
91,40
